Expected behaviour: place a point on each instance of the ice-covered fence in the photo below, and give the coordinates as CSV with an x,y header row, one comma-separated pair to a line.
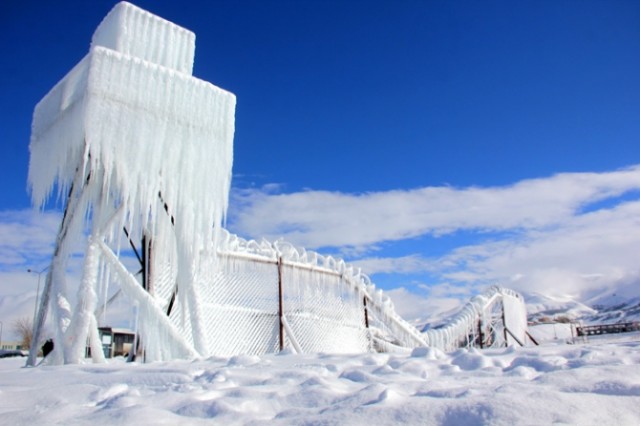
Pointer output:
x,y
264,297
496,318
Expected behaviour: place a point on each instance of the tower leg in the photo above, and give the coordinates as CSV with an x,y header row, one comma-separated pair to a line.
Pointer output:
x,y
83,317
54,282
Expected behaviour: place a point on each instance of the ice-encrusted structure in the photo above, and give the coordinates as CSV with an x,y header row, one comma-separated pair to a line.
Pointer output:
x,y
325,305
495,318
141,148
131,136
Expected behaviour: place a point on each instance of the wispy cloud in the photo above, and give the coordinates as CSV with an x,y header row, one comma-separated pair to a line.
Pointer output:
x,y
318,219
26,242
435,303
26,238
589,252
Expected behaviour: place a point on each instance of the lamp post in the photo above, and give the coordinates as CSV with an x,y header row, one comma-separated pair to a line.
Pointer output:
x,y
1,325
35,308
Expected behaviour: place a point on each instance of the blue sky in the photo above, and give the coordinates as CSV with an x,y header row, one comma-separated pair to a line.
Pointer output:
x,y
443,146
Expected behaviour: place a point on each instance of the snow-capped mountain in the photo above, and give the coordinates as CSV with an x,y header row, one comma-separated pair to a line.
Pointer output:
x,y
605,308
620,311
545,308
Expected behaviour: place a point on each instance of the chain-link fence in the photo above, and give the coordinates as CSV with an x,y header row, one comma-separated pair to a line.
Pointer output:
x,y
256,299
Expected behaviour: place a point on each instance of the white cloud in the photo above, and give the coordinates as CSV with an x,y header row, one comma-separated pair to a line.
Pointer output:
x,y
590,252
26,238
413,263
332,219
433,303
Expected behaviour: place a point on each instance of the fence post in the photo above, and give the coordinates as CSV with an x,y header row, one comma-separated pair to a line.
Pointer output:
x,y
505,329
366,312
280,307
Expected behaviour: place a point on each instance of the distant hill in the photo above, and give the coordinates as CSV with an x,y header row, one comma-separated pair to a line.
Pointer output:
x,y
622,311
602,309
543,308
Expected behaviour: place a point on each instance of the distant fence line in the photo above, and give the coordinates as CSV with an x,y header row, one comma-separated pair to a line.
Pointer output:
x,y
594,330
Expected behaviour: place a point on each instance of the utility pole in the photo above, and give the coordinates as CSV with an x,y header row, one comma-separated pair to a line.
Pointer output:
x,y
35,307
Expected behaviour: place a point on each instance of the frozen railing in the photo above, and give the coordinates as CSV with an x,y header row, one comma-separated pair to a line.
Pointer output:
x,y
262,297
496,318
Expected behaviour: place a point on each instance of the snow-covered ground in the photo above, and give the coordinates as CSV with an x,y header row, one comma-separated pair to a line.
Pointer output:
x,y
594,383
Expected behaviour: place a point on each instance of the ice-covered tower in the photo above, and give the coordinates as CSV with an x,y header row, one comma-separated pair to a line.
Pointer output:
x,y
135,142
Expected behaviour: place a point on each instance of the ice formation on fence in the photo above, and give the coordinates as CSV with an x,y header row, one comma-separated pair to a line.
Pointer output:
x,y
137,145
496,318
327,305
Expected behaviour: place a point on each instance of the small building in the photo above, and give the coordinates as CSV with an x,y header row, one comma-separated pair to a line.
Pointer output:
x,y
11,346
116,341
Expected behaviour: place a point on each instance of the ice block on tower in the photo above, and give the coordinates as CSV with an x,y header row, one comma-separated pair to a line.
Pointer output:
x,y
135,32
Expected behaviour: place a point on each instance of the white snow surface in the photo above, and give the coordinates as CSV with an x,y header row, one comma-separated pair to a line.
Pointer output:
x,y
587,384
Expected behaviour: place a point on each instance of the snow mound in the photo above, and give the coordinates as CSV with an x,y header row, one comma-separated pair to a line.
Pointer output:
x,y
569,384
